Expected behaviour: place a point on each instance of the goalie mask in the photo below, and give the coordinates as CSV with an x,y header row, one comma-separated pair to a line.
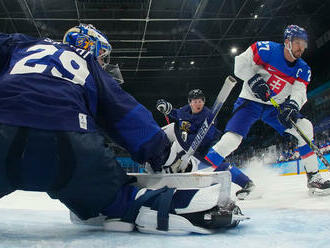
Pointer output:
x,y
87,37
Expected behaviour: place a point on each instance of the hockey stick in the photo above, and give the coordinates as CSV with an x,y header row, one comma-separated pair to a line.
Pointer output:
x,y
221,98
305,138
167,119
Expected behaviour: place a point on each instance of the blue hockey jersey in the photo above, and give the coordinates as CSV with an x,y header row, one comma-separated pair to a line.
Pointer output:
x,y
53,86
191,123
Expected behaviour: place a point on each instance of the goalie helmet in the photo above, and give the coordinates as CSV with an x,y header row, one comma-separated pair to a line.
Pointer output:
x,y
294,31
87,37
196,94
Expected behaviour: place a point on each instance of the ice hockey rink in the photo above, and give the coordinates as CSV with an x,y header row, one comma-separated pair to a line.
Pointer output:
x,y
164,49
286,216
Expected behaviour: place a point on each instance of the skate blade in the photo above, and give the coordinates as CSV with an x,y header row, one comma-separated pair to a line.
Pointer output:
x,y
318,192
239,217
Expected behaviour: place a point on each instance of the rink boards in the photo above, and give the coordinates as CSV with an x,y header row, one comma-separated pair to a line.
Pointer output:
x,y
296,167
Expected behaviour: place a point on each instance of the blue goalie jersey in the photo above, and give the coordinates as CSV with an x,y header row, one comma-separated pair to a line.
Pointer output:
x,y
53,86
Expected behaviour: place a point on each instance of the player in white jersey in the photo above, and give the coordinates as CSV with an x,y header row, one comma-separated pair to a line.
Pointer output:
x,y
275,70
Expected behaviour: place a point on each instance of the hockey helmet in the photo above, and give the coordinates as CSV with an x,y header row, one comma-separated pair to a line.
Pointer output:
x,y
196,94
294,31
87,37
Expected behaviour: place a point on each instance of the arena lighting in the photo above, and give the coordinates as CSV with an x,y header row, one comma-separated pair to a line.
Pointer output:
x,y
192,62
233,50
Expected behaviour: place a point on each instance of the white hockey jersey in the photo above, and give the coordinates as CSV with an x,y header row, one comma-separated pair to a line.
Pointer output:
x,y
284,78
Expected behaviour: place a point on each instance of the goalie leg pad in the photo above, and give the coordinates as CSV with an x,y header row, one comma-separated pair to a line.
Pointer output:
x,y
146,222
179,211
204,222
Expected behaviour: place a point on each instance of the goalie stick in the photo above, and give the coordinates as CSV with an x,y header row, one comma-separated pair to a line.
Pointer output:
x,y
305,138
221,98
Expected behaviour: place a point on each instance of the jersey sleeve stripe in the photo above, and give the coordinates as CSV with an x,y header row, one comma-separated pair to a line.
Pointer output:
x,y
256,57
303,81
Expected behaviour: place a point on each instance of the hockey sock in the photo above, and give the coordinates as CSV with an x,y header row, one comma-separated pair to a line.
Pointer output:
x,y
237,176
124,199
305,151
214,158
309,158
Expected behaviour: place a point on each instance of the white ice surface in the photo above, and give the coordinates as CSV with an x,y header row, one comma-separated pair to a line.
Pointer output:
x,y
286,216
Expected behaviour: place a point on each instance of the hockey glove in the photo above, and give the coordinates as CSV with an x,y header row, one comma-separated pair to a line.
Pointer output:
x,y
259,87
289,110
164,107
173,163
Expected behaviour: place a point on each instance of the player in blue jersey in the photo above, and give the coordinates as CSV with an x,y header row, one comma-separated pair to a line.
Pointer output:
x,y
57,106
188,120
277,70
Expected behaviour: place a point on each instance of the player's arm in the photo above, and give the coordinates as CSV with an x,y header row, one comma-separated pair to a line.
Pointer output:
x,y
7,43
5,48
9,40
253,61
251,66
174,114
298,97
166,108
299,87
130,124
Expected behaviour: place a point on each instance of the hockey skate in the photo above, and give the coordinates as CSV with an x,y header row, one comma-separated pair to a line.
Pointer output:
x,y
177,212
248,192
317,185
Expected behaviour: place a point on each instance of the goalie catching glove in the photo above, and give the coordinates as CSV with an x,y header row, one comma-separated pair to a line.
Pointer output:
x,y
177,211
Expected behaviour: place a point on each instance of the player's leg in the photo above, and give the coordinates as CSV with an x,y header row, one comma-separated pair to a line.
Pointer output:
x,y
315,182
99,186
96,176
245,114
64,164
32,161
170,133
9,138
